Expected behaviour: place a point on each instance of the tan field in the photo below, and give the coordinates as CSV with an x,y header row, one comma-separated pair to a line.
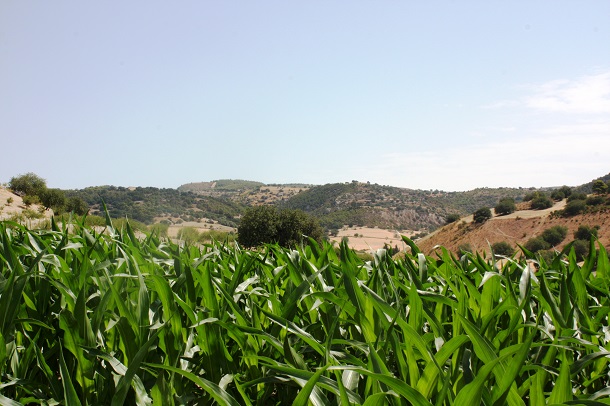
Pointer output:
x,y
371,239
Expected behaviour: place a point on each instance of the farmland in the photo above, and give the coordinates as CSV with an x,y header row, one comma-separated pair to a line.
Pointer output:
x,y
104,317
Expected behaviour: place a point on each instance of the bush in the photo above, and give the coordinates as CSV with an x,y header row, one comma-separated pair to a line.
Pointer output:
x,y
554,235
502,248
77,205
595,200
541,203
265,224
482,215
585,233
536,244
574,207
464,248
557,195
29,200
600,187
452,218
188,234
159,229
53,199
581,249
577,196
533,195
505,206
28,184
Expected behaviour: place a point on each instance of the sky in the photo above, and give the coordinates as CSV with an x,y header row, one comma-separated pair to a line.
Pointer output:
x,y
448,95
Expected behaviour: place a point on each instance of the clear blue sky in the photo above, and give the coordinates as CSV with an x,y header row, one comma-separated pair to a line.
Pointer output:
x,y
447,95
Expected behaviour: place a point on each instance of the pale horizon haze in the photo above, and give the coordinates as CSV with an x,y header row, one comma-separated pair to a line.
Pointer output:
x,y
425,95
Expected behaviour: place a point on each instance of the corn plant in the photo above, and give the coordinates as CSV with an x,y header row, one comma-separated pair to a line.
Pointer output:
x,y
94,318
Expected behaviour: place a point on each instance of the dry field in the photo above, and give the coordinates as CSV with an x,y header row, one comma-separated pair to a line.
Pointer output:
x,y
371,239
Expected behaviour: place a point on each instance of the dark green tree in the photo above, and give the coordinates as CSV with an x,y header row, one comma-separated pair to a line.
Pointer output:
x,y
574,207
600,187
585,233
536,244
295,226
77,205
482,215
505,206
502,248
28,184
541,202
452,218
266,224
554,235
258,226
53,199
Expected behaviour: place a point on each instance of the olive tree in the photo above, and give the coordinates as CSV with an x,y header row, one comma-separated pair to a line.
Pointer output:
x,y
28,184
505,206
482,215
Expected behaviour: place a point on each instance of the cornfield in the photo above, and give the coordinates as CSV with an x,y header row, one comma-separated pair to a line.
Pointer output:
x,y
94,318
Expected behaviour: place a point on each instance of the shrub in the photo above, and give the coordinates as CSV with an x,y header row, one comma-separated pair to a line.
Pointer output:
x,y
502,248
595,200
565,190
554,235
600,187
482,215
265,224
574,207
532,195
464,248
536,244
452,218
505,206
577,196
159,229
29,200
188,234
585,233
77,205
53,199
557,195
9,201
581,249
541,203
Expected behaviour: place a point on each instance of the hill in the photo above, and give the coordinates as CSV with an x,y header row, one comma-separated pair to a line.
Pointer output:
x,y
373,205
515,229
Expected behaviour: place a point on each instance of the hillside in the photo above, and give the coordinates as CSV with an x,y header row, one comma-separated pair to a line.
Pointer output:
x,y
150,204
372,205
515,229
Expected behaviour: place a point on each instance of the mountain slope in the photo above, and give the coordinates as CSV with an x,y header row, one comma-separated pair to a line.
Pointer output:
x,y
516,229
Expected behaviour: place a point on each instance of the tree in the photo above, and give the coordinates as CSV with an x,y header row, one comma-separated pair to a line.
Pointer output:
x,y
600,187
295,226
505,206
585,233
482,215
452,218
536,244
541,202
288,228
502,248
554,235
565,190
53,199
258,226
574,207
77,205
28,184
